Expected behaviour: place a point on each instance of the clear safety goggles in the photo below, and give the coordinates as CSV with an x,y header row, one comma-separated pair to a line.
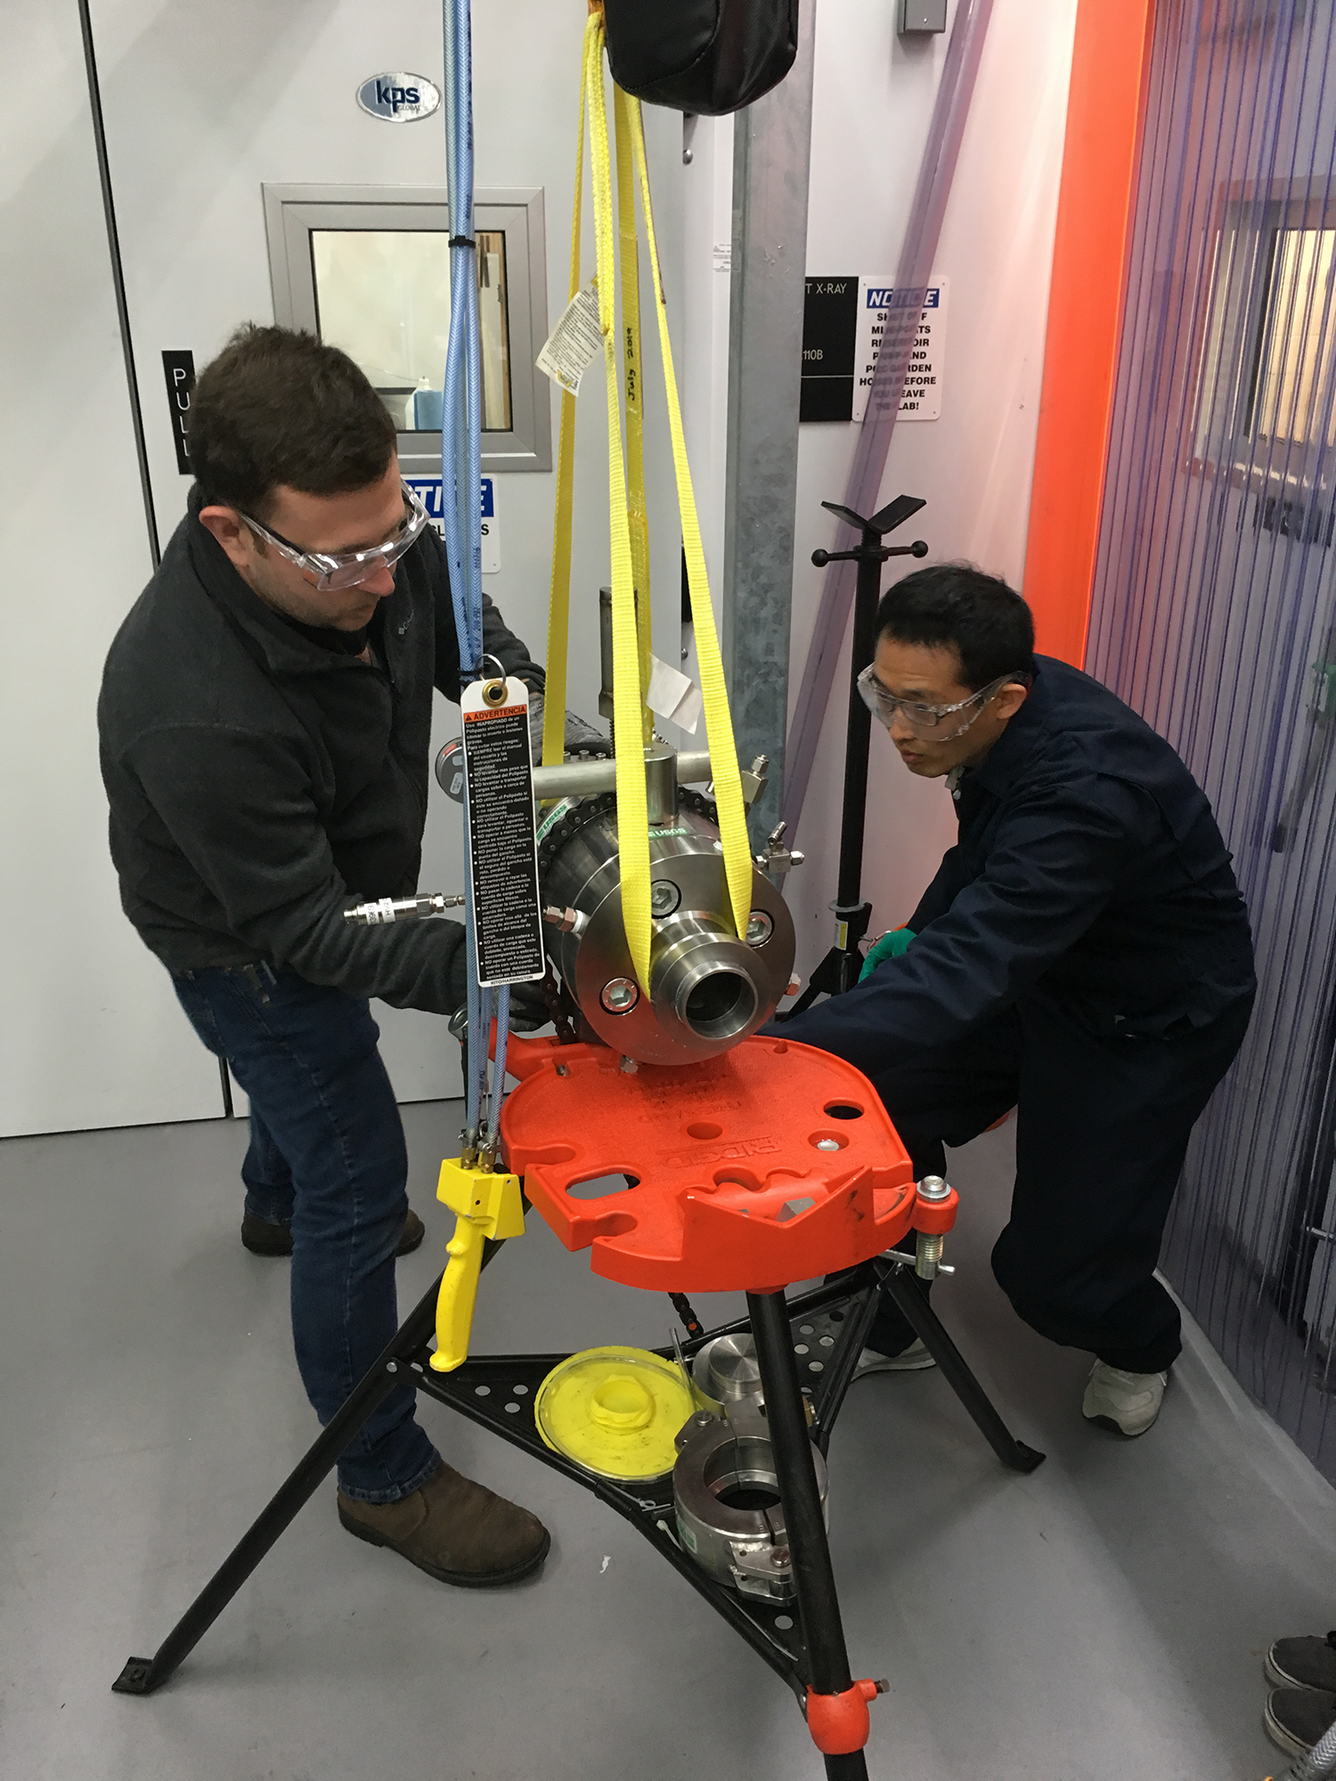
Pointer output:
x,y
349,568
930,723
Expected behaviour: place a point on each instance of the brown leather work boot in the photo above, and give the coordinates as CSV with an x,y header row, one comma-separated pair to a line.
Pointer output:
x,y
453,1529
263,1238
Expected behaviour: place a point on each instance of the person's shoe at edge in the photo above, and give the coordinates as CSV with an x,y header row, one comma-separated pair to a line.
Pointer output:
x,y
455,1530
1295,1718
1303,1662
1125,1402
910,1360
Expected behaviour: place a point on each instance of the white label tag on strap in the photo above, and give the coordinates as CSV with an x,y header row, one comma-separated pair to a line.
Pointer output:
x,y
498,772
674,695
571,347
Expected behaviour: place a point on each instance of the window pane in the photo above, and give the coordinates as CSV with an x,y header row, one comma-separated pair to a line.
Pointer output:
x,y
1295,368
494,330
384,297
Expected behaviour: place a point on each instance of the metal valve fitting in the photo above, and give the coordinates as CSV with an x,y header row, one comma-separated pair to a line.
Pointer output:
x,y
387,909
568,920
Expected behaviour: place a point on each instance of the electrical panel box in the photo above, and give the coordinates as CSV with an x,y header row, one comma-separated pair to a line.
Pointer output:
x,y
920,16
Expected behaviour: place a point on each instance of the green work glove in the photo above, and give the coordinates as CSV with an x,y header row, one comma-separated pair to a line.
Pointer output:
x,y
890,946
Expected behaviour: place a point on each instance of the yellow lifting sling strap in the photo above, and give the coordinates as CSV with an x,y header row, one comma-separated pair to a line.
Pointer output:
x,y
729,803
629,529
633,386
559,602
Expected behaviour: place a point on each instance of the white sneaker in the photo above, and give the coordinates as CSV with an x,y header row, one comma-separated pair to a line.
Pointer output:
x,y
910,1360
1127,1402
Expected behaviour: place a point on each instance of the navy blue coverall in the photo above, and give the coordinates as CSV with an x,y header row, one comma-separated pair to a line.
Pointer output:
x,y
1083,955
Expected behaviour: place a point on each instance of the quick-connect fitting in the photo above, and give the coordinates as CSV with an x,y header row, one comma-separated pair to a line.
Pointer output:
x,y
388,909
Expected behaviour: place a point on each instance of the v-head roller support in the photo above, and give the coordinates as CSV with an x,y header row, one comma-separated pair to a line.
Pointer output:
x,y
871,549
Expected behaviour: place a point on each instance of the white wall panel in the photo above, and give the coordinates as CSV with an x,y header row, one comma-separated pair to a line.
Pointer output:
x,y
90,1033
872,102
207,99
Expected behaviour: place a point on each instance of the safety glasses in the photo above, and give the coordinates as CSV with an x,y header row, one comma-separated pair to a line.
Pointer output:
x,y
930,722
349,568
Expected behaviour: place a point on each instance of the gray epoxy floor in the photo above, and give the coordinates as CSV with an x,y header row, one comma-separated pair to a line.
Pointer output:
x,y
1101,1619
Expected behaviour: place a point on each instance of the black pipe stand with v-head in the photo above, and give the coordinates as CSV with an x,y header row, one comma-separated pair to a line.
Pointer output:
x,y
839,970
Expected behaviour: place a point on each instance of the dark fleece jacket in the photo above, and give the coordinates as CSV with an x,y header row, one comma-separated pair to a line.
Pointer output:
x,y
259,784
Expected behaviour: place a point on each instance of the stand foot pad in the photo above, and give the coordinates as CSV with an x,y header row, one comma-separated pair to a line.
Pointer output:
x,y
135,1678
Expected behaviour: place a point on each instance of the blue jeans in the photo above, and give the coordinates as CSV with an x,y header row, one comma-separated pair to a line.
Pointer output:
x,y
327,1154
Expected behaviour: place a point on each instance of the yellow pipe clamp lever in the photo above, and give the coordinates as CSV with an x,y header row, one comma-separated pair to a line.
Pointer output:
x,y
486,1204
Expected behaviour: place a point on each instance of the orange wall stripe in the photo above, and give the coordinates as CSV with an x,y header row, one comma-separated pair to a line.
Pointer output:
x,y
1096,198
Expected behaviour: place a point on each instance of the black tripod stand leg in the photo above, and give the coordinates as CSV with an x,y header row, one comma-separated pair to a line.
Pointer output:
x,y
902,1288
142,1675
823,1629
847,1768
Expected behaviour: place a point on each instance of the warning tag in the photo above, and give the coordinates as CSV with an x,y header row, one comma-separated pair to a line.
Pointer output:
x,y
570,348
498,772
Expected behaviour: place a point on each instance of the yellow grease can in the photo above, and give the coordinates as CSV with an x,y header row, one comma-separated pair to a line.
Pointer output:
x,y
614,1411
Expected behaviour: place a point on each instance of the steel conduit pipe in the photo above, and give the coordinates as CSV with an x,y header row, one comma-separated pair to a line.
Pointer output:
x,y
584,779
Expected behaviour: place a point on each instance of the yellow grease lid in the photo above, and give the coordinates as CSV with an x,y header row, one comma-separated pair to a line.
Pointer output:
x,y
614,1411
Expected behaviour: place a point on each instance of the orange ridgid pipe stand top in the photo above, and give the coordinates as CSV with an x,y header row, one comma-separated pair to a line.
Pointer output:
x,y
1096,201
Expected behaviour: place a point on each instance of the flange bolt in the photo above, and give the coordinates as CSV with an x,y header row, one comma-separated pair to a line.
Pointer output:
x,y
619,995
760,927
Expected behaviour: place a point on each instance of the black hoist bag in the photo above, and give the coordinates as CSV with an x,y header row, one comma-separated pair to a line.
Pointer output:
x,y
705,56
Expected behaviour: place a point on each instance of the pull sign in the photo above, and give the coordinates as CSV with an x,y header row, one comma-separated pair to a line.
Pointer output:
x,y
498,775
179,370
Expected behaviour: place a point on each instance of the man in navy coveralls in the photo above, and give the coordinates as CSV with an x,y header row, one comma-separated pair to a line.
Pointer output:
x,y
1083,955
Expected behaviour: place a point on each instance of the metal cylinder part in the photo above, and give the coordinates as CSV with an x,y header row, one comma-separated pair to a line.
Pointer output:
x,y
726,1368
708,988
661,783
726,1502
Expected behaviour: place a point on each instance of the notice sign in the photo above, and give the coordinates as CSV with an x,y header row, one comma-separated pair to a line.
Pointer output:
x,y
845,325
428,491
498,772
922,398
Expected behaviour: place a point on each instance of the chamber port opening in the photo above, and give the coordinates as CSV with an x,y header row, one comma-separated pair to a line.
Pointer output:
x,y
749,1496
742,1475
720,1005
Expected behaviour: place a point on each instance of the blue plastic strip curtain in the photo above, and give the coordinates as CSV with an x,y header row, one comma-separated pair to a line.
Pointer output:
x,y
461,508
914,269
1214,615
